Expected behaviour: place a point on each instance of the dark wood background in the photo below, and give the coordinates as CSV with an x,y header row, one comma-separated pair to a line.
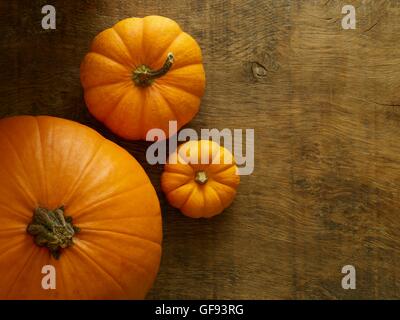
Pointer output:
x,y
325,106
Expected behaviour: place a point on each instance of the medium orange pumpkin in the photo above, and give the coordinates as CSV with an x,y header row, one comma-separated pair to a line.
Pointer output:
x,y
142,73
200,188
74,200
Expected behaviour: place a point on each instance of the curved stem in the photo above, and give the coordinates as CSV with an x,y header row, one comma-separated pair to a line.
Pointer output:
x,y
164,69
143,76
51,229
201,177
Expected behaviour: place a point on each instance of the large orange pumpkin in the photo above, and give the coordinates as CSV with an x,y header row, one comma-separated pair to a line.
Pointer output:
x,y
200,179
74,200
142,73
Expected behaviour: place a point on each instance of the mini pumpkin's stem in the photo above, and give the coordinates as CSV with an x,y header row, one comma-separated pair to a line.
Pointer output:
x,y
143,76
201,177
51,229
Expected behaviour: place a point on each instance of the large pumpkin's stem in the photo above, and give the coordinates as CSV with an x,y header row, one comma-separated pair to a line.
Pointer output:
x,y
143,76
201,177
51,229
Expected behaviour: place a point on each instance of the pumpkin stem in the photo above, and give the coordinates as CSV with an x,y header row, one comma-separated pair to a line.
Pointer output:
x,y
201,177
51,229
144,76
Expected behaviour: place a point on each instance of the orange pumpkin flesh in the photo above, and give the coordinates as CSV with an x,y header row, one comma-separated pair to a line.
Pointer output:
x,y
198,189
142,73
48,163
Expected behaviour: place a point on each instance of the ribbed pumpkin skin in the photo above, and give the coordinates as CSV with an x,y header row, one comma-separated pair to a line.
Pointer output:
x,y
193,199
48,162
131,111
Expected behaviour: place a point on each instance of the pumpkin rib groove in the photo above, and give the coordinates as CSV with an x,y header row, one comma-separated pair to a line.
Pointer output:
x,y
108,114
121,78
141,37
24,266
178,174
104,85
141,112
139,109
12,231
222,170
163,86
170,108
72,268
218,196
203,196
11,246
103,118
217,154
43,169
232,186
19,214
126,83
32,198
164,82
189,197
122,219
75,186
225,185
100,202
183,166
103,56
190,194
125,46
171,104
68,265
142,115
177,187
185,66
76,252
95,230
167,50
136,264
99,267
174,113
144,31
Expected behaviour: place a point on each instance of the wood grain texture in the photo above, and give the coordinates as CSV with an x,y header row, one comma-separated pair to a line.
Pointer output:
x,y
325,106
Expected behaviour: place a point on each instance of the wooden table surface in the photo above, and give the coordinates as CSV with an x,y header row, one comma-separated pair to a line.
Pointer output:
x,y
325,106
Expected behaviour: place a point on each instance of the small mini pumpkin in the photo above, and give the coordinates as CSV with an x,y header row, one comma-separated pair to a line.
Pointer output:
x,y
71,199
142,73
200,179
